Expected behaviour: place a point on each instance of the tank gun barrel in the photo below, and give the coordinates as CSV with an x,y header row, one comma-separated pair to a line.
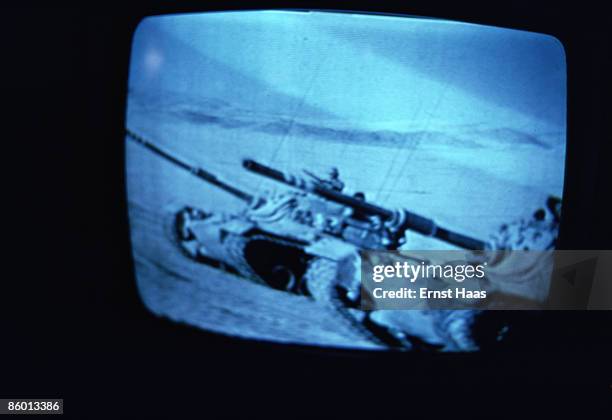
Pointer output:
x,y
316,189
404,219
196,171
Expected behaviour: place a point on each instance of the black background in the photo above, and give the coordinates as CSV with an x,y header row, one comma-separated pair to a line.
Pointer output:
x,y
73,325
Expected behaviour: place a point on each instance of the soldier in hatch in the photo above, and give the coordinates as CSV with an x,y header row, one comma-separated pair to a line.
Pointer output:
x,y
334,182
331,182
536,233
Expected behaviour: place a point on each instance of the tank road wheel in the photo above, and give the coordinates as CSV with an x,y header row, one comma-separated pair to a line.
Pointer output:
x,y
280,266
282,278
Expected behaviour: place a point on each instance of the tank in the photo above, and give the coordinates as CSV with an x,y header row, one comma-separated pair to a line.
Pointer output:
x,y
278,237
306,240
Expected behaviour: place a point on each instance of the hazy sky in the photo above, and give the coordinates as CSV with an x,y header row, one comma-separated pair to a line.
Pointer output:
x,y
366,70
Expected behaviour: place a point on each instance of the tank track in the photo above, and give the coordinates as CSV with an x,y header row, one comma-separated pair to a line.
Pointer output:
x,y
320,278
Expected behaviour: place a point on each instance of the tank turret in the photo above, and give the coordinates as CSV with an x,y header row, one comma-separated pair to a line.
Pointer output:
x,y
394,223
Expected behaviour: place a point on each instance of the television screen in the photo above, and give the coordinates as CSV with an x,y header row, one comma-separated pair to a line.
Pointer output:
x,y
265,150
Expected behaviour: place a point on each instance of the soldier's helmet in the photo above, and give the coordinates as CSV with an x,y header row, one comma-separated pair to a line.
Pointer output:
x,y
333,173
554,206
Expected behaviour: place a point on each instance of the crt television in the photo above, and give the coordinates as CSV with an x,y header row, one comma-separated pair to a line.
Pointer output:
x,y
266,148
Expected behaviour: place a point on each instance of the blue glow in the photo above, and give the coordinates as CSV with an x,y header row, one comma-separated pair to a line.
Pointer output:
x,y
462,123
